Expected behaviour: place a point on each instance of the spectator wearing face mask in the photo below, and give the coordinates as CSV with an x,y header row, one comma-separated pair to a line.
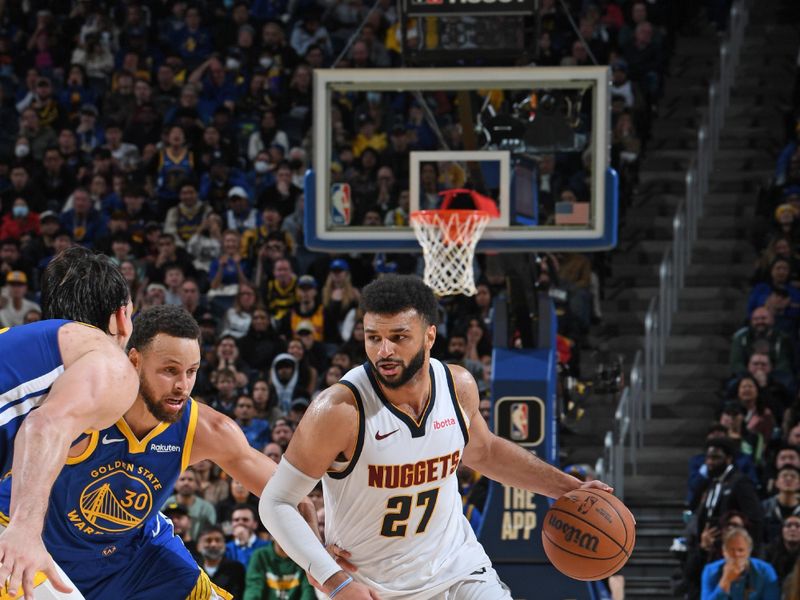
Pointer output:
x,y
20,221
227,574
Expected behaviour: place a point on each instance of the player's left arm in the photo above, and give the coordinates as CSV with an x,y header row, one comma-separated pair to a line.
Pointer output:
x,y
219,439
503,460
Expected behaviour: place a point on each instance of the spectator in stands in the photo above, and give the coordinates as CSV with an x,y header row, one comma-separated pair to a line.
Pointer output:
x,y
750,443
784,551
285,381
271,563
213,487
354,347
457,355
645,60
786,454
188,217
224,380
261,400
726,489
224,572
340,300
238,317
267,135
307,309
245,522
739,575
778,246
281,293
39,135
307,376
779,297
785,502
173,281
240,216
175,165
17,306
273,451
255,430
698,470
259,346
19,221
55,180
205,245
39,247
283,193
761,335
181,524
707,549
759,417
190,298
775,393
314,351
282,433
186,495
83,221
228,272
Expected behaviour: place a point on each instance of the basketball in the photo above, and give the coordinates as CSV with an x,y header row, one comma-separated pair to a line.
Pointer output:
x,y
588,534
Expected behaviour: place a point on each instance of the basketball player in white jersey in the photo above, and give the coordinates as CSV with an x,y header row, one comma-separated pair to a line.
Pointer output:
x,y
386,442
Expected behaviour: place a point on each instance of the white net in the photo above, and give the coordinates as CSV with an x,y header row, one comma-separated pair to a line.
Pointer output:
x,y
448,239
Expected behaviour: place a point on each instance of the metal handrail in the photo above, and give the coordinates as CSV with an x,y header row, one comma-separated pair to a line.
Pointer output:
x,y
635,404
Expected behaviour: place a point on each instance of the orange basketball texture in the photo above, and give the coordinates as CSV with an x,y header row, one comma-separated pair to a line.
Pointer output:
x,y
588,534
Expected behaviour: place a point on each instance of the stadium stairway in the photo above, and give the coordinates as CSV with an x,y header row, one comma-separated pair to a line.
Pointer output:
x,y
712,305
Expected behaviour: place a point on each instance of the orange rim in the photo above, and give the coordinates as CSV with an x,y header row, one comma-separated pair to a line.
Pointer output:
x,y
451,221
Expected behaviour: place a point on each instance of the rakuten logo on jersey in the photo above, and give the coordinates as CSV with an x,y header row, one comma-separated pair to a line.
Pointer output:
x,y
164,448
443,423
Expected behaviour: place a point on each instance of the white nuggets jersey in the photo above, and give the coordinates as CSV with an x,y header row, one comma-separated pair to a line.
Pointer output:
x,y
395,506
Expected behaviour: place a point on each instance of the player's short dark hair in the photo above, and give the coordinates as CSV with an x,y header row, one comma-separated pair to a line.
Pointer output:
x,y
174,321
83,286
211,529
392,294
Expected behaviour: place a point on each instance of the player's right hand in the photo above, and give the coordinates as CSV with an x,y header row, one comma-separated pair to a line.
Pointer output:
x,y
22,555
342,558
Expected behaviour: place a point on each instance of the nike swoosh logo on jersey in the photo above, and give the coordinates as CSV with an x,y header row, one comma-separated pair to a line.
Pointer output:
x,y
480,572
108,440
379,437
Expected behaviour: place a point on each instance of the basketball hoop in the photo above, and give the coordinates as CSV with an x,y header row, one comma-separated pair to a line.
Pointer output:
x,y
448,239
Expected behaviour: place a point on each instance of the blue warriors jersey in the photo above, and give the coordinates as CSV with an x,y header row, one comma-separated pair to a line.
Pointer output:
x,y
171,173
30,361
103,525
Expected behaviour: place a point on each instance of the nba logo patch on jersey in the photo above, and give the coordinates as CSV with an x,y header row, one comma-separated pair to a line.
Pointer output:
x,y
519,421
341,207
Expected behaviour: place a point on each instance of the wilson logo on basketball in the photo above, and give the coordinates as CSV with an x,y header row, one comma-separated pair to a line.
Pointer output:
x,y
443,423
573,535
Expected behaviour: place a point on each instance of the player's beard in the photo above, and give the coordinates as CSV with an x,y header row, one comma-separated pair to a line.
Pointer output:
x,y
406,371
155,406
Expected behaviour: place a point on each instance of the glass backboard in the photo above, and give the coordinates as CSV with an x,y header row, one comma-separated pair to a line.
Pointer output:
x,y
390,141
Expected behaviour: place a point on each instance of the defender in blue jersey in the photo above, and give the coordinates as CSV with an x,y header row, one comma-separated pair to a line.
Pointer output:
x,y
103,525
58,378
